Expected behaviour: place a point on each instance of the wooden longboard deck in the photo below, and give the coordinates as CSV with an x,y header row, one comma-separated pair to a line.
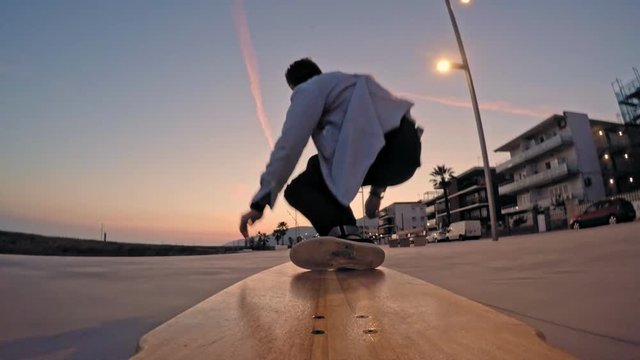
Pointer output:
x,y
290,313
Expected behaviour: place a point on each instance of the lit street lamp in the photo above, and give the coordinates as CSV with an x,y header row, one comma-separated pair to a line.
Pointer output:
x,y
444,66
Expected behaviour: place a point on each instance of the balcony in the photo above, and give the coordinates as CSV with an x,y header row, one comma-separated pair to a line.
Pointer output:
x,y
430,210
534,151
536,180
387,221
512,209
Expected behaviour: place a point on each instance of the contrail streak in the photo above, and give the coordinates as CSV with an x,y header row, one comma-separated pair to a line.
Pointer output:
x,y
497,106
250,61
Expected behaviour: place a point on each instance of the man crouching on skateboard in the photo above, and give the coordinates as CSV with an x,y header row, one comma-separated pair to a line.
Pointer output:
x,y
364,136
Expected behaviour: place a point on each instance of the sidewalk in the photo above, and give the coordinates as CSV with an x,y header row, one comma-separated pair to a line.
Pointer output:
x,y
580,288
79,307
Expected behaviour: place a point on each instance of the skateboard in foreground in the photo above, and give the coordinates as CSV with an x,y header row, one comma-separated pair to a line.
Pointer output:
x,y
331,253
289,313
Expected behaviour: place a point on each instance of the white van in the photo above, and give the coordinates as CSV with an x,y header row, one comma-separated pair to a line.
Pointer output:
x,y
467,229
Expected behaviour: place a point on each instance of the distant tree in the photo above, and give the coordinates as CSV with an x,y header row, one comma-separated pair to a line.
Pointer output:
x,y
280,232
441,177
263,239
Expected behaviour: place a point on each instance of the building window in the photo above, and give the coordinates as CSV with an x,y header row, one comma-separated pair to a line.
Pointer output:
x,y
547,165
560,191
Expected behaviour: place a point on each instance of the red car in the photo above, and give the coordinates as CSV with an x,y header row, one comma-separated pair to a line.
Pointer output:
x,y
604,212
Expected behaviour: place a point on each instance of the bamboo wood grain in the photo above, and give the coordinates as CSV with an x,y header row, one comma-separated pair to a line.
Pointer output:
x,y
377,314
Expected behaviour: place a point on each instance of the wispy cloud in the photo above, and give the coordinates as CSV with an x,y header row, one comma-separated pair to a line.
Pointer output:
x,y
251,63
497,106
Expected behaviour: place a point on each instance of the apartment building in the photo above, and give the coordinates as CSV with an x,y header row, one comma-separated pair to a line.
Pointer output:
x,y
401,216
429,200
568,157
467,199
618,149
368,227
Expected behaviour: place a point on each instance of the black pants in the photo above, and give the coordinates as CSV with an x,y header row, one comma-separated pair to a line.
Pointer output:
x,y
394,164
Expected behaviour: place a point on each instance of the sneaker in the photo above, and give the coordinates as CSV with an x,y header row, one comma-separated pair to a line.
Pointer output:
x,y
332,253
349,232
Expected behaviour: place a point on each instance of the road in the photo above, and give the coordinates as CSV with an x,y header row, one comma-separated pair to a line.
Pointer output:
x,y
581,288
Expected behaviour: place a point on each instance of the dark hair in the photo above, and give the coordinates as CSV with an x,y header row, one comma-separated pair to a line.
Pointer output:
x,y
300,71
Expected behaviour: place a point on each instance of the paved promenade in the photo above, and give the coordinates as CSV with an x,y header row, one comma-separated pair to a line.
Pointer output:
x,y
580,288
84,308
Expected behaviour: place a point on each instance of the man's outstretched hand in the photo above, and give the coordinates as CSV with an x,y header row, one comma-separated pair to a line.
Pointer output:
x,y
372,206
248,219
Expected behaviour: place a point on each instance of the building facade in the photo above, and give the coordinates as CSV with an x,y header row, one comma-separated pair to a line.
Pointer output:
x,y
429,201
567,157
467,200
368,227
401,217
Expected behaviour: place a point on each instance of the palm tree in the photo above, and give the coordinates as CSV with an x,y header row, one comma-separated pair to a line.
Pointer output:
x,y
441,179
280,231
263,239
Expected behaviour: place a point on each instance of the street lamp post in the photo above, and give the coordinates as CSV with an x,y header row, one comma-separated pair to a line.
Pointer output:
x,y
295,220
364,221
445,66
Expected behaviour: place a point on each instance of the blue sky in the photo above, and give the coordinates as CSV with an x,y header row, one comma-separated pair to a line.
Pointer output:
x,y
138,114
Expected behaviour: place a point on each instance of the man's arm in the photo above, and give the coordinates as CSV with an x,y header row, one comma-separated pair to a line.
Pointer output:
x,y
302,117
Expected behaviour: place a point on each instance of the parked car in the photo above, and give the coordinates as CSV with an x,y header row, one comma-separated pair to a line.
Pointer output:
x,y
604,212
439,235
467,229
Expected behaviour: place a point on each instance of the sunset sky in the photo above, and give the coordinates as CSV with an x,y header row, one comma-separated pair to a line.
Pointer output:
x,y
154,118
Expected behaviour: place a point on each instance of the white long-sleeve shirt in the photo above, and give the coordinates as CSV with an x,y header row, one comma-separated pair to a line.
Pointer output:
x,y
347,116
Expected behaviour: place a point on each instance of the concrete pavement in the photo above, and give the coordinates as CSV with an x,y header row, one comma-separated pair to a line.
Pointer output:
x,y
580,288
99,307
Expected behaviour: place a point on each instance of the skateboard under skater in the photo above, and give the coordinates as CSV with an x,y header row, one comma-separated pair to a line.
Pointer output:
x,y
331,253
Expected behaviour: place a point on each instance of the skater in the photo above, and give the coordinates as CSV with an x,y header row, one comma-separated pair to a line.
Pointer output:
x,y
364,136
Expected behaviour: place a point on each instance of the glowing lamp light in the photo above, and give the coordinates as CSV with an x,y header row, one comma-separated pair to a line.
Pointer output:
x,y
620,133
626,156
444,66
606,156
600,132
465,1
610,181
630,179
